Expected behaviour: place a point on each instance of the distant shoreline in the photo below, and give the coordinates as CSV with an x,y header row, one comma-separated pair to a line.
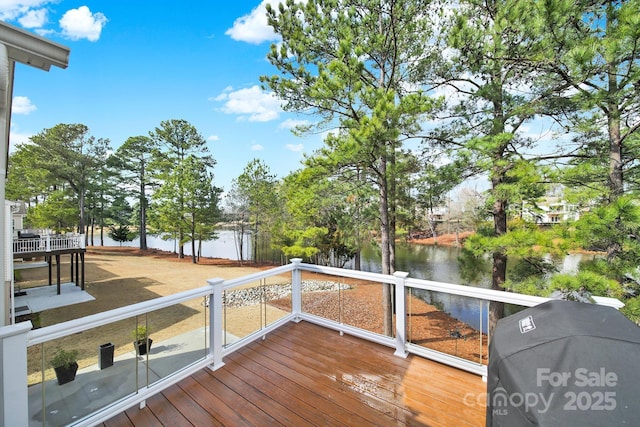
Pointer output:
x,y
444,239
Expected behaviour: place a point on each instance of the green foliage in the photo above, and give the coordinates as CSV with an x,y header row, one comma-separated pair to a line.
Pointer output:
x,y
609,225
121,233
140,333
25,180
632,309
355,65
132,161
586,281
304,243
523,240
64,358
70,156
255,192
313,201
528,286
58,212
186,204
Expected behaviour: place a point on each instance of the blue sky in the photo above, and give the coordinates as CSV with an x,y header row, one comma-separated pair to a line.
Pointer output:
x,y
134,64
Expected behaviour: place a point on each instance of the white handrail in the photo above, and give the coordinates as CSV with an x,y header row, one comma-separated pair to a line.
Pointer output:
x,y
475,292
47,243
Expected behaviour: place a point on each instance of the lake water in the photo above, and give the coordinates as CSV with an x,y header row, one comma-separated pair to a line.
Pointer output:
x,y
438,263
222,247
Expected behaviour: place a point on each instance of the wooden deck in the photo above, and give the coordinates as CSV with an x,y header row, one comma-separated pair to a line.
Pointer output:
x,y
304,375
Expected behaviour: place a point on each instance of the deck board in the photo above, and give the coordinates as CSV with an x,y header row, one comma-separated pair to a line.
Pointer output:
x,y
303,374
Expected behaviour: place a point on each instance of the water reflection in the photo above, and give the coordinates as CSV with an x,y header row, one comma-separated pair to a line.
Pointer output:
x,y
439,263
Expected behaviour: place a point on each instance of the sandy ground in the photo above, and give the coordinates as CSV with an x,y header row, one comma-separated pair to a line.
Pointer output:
x,y
118,276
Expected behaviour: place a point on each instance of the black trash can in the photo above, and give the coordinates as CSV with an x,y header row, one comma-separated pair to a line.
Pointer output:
x,y
105,358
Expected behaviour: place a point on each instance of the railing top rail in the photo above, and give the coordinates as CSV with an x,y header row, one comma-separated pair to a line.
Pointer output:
x,y
451,288
15,329
475,292
354,274
232,283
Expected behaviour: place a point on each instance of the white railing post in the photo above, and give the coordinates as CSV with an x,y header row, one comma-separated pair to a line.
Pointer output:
x,y
48,243
15,395
296,289
216,323
401,314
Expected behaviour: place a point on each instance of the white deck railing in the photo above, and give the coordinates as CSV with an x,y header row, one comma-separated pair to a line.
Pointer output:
x,y
47,243
214,341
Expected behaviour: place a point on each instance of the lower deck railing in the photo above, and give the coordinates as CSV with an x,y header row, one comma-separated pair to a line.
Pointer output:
x,y
47,243
198,328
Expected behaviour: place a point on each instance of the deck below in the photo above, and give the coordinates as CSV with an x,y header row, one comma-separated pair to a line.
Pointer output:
x,y
304,375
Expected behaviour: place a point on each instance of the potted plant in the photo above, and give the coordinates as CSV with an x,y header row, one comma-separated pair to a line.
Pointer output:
x,y
142,342
65,363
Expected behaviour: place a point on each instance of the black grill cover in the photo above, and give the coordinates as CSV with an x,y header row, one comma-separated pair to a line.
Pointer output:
x,y
564,363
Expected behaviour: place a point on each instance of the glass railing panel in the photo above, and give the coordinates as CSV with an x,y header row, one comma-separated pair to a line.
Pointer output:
x,y
104,372
277,300
244,311
369,306
354,302
322,295
451,324
177,336
253,306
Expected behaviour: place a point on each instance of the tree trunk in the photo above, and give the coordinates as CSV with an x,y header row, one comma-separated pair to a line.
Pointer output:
x,y
385,248
357,261
499,271
392,200
193,239
615,178
81,207
143,209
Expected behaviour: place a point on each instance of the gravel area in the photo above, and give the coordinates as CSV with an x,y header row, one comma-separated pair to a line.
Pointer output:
x,y
250,296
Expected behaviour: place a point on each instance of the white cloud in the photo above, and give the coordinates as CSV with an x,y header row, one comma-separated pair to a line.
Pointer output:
x,y
22,105
296,148
291,123
35,18
80,23
251,104
253,28
13,9
257,147
213,138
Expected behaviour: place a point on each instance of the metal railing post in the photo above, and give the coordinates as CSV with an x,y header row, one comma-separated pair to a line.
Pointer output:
x,y
296,289
15,394
401,314
216,323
